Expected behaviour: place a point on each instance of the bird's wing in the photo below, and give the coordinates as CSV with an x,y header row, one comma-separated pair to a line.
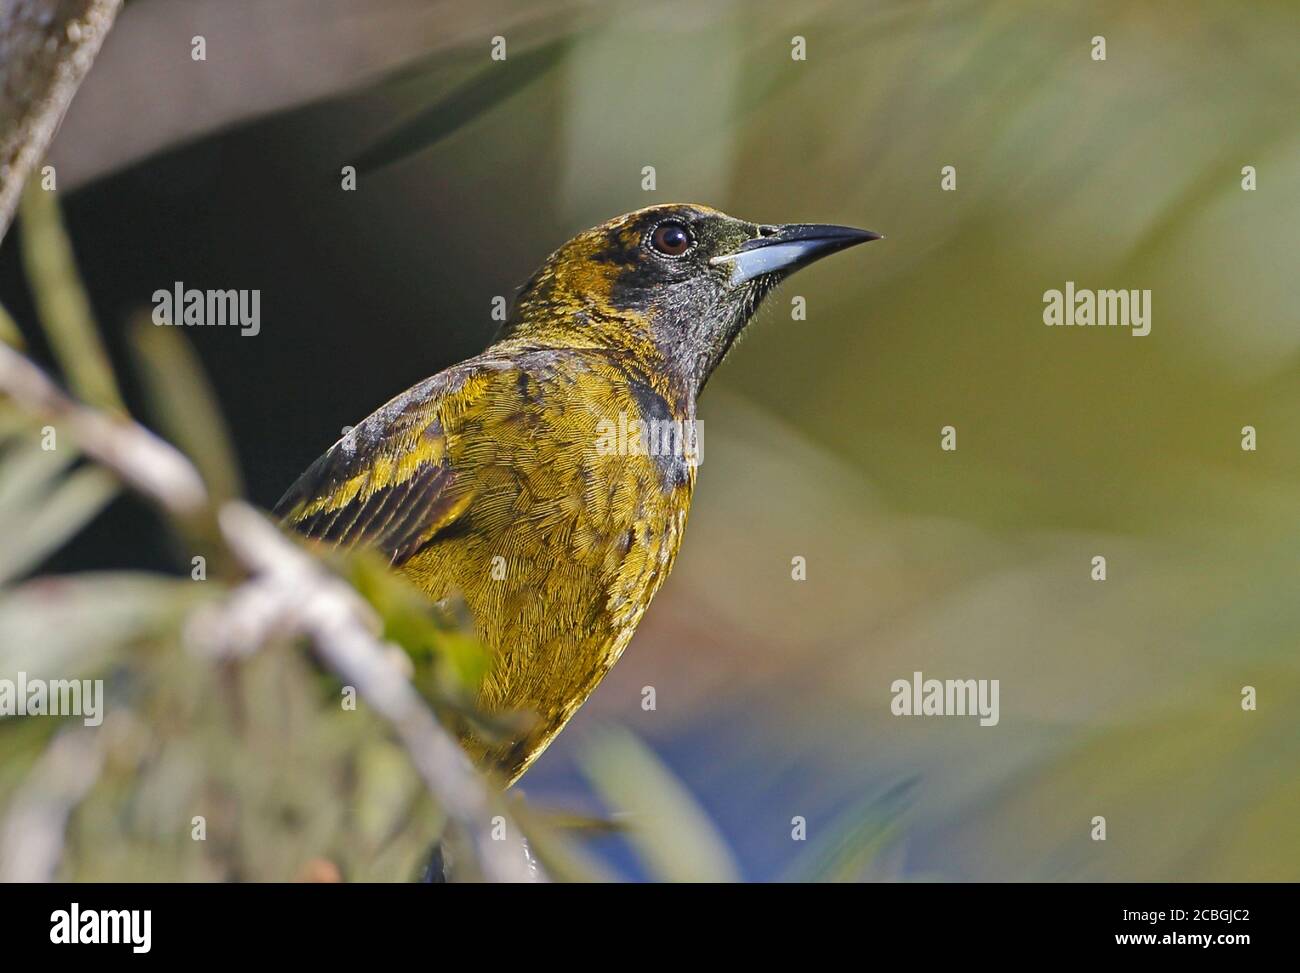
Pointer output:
x,y
389,483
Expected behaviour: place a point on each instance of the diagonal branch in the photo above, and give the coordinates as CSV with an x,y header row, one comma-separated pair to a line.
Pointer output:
x,y
289,593
46,48
292,593
137,456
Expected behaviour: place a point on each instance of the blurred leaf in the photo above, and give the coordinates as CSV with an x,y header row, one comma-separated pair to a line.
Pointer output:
x,y
586,823
184,406
9,332
416,624
27,472
386,789
1179,214
33,532
853,842
560,856
65,626
669,830
62,303
1194,792
453,62
40,508
491,86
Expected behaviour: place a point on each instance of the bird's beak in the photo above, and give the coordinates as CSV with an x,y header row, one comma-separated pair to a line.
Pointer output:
x,y
784,249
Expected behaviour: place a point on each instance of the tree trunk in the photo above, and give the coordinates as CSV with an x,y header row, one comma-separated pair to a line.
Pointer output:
x,y
46,48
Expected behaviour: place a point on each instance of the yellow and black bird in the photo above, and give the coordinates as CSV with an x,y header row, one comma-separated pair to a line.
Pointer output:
x,y
525,479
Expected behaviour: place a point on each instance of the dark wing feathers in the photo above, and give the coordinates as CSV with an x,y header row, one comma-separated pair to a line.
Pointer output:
x,y
387,484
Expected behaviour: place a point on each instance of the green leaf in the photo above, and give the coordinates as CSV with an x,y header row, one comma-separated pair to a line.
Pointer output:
x,y
851,845
415,623
561,855
670,832
9,332
33,532
62,303
27,473
184,405
491,86
69,625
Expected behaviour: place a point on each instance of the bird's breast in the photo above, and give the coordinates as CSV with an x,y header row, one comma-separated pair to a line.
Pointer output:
x,y
579,511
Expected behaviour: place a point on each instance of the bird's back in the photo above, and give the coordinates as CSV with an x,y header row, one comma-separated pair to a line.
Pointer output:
x,y
517,480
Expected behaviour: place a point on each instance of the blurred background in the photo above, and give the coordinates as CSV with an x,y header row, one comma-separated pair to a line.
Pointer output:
x,y
1119,698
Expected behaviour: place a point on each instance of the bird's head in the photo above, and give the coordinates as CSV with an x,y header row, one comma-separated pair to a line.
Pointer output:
x,y
674,284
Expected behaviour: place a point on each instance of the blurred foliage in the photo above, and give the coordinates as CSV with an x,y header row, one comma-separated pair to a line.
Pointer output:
x,y
9,332
62,303
455,663
483,92
185,405
1120,698
669,830
286,781
41,503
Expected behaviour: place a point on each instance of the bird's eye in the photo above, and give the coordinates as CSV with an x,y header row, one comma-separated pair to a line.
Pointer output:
x,y
671,239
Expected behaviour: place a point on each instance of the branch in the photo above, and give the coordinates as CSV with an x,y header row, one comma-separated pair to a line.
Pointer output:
x,y
46,48
137,456
290,593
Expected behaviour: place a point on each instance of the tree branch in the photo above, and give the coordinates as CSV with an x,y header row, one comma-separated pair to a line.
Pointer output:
x,y
289,593
46,48
137,456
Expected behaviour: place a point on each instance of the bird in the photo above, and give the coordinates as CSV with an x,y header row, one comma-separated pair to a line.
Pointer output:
x,y
547,480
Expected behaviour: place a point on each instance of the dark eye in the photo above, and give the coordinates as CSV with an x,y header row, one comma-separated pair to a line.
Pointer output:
x,y
671,239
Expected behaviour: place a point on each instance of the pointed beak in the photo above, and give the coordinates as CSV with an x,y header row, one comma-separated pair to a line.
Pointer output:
x,y
784,249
